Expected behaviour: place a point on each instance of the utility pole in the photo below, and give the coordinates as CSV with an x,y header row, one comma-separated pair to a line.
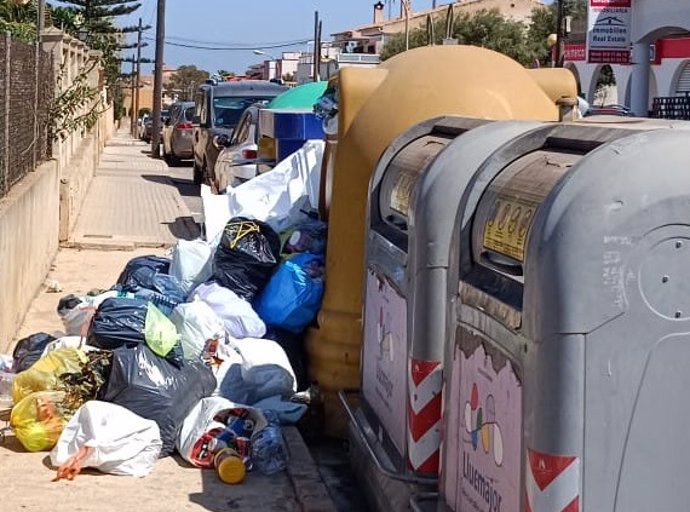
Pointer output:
x,y
41,18
319,53
406,7
560,33
132,115
158,80
137,84
317,50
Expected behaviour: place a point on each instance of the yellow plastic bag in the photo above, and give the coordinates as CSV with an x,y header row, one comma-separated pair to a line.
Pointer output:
x,y
37,421
43,375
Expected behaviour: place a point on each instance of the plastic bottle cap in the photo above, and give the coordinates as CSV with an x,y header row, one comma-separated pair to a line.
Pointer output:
x,y
230,467
295,238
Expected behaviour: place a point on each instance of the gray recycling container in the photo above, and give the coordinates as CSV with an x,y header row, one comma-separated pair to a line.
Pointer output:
x,y
567,364
414,196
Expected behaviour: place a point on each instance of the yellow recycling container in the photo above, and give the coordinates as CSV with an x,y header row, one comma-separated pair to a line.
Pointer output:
x,y
374,107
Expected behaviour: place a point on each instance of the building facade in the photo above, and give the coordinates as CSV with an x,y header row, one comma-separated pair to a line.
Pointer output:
x,y
371,38
660,61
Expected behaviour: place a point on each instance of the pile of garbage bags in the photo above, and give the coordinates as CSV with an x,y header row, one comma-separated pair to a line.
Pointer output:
x,y
200,353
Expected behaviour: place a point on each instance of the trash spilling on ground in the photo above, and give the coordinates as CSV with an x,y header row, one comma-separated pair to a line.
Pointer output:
x,y
201,353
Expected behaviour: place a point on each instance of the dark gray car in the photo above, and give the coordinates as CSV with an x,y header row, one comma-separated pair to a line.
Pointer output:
x,y
218,110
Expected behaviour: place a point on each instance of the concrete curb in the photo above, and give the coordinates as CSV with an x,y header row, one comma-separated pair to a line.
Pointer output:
x,y
310,490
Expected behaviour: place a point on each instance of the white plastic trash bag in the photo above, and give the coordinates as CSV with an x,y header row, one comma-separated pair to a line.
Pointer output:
x,y
206,421
278,197
266,369
68,342
192,263
238,316
190,441
197,323
76,319
118,441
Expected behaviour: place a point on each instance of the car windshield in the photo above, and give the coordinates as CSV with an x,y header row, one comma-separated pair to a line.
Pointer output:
x,y
228,110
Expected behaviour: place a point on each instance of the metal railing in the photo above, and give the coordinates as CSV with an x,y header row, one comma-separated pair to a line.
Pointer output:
x,y
26,91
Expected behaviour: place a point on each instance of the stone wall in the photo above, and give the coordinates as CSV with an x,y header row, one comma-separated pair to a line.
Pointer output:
x,y
29,216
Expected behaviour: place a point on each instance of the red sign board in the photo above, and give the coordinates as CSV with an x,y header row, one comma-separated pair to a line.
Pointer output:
x,y
609,57
575,52
610,3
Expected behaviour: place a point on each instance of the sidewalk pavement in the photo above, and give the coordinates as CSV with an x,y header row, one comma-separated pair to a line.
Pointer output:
x,y
132,202
26,478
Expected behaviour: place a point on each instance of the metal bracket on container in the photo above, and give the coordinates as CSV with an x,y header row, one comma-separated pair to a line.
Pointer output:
x,y
382,467
416,501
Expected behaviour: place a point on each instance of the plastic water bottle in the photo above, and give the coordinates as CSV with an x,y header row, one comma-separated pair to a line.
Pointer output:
x,y
269,451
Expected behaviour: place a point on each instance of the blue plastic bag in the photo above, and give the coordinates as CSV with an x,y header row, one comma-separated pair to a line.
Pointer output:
x,y
292,298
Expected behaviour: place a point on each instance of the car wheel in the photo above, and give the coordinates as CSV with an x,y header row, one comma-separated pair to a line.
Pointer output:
x,y
173,161
198,174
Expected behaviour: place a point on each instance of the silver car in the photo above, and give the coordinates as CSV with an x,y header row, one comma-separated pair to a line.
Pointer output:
x,y
236,163
178,132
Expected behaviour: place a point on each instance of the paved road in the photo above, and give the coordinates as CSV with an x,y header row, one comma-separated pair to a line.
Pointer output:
x,y
182,179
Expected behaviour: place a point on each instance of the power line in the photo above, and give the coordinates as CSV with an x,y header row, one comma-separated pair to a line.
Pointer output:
x,y
230,43
235,48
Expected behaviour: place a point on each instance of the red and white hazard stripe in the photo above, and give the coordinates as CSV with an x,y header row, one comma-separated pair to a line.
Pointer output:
x,y
552,483
424,415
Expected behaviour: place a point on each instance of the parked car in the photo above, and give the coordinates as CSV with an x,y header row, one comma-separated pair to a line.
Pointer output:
x,y
236,162
148,126
609,110
141,126
178,132
218,110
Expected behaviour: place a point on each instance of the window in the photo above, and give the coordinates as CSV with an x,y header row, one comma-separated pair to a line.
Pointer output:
x,y
241,134
227,110
189,114
201,107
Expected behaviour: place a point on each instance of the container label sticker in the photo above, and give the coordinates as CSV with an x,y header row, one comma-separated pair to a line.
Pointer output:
x,y
484,435
402,191
552,482
513,197
506,230
384,362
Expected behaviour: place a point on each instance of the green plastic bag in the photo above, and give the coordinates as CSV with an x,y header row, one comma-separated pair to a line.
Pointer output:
x,y
159,332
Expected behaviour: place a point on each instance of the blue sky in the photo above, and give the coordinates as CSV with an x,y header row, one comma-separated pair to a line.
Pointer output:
x,y
250,22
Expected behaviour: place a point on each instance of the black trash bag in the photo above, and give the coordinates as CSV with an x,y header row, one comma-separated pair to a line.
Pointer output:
x,y
153,280
118,321
157,390
293,345
122,322
248,253
68,303
157,263
29,350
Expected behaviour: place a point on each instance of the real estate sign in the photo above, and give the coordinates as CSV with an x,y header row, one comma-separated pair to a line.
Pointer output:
x,y
608,35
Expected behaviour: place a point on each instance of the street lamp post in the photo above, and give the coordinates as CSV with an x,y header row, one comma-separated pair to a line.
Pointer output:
x,y
271,57
261,52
